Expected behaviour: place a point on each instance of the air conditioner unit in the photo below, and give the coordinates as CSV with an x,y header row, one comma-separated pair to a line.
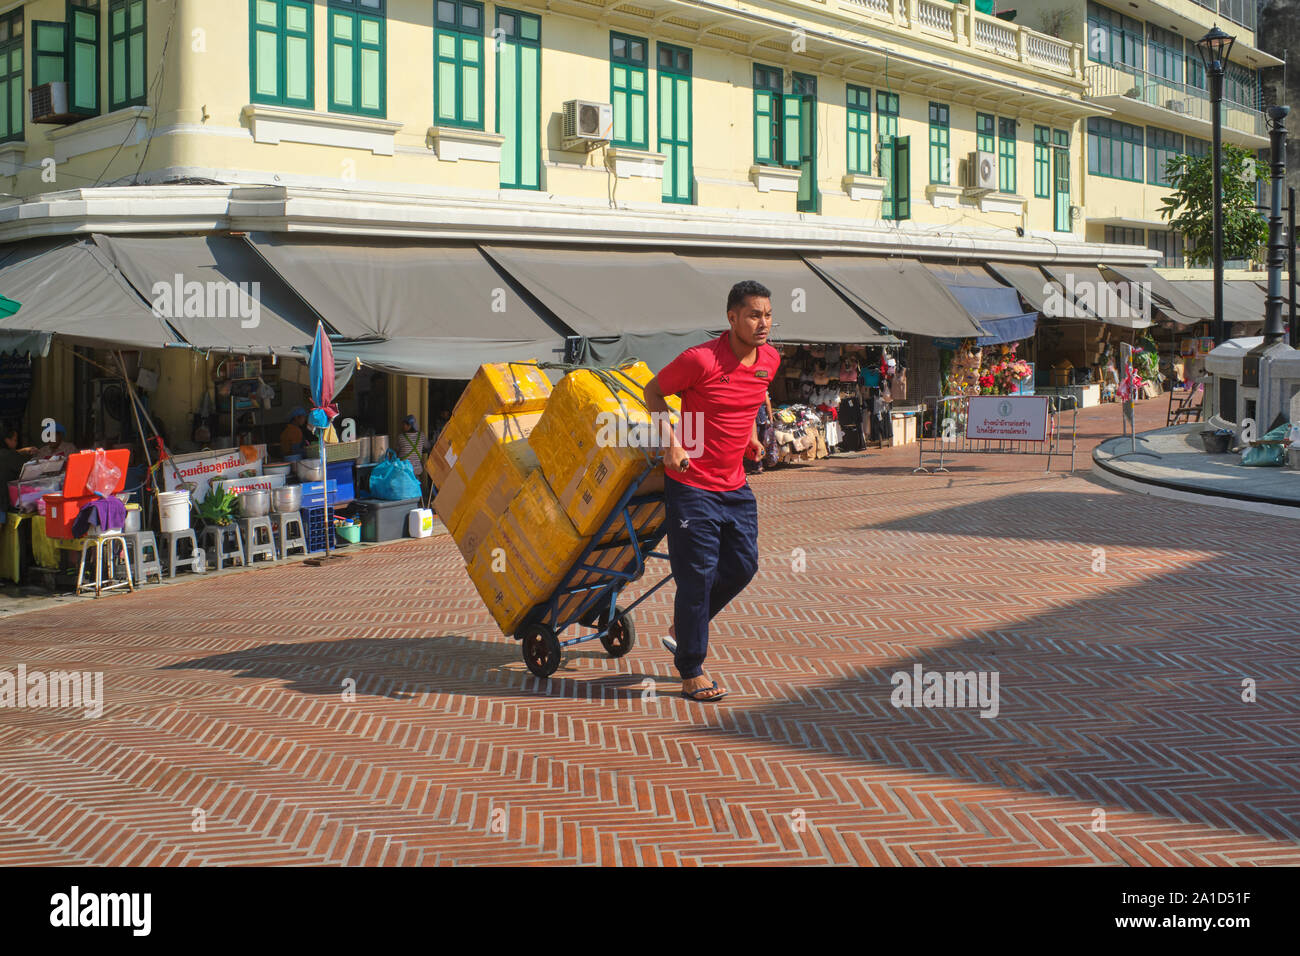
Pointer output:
x,y
50,103
1178,106
982,171
588,123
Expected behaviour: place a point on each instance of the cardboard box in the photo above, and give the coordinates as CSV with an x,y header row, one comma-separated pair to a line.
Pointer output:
x,y
489,490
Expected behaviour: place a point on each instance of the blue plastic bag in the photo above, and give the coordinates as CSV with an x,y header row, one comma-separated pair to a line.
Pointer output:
x,y
393,479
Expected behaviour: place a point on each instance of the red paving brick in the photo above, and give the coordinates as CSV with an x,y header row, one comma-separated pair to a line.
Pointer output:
x,y
1119,691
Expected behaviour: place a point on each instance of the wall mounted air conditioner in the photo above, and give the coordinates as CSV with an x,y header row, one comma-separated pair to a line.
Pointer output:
x,y
50,103
982,171
1178,106
587,123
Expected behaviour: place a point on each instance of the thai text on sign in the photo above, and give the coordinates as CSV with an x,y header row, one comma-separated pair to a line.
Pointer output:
x,y
1007,417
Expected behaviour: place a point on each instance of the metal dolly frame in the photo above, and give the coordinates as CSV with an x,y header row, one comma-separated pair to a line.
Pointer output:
x,y
598,587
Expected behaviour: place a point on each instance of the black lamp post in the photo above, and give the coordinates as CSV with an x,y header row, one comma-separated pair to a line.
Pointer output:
x,y
1214,48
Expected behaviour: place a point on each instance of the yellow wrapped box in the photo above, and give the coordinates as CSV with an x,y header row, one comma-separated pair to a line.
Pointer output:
x,y
507,387
496,584
587,440
489,490
539,535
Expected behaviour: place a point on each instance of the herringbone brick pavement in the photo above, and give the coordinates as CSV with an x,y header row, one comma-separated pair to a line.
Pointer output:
x,y
1121,629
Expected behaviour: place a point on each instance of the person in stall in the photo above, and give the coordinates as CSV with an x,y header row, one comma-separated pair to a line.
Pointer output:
x,y
292,438
12,460
413,445
60,445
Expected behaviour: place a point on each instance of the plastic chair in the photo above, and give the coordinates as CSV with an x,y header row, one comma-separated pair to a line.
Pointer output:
x,y
193,561
140,543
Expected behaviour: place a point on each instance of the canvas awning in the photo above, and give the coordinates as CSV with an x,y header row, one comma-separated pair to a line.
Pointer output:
x,y
215,291
995,307
1165,292
434,310
1028,280
1086,289
900,294
1243,302
67,288
806,310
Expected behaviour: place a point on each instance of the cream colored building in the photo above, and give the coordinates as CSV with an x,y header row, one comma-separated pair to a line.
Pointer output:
x,y
794,125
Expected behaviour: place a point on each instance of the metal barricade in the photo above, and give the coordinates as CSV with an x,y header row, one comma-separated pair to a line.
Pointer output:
x,y
949,434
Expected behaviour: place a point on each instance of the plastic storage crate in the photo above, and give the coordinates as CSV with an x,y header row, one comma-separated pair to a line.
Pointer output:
x,y
313,494
316,523
339,475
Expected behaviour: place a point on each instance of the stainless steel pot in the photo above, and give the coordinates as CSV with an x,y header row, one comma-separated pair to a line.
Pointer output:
x,y
364,455
254,503
378,447
309,469
287,499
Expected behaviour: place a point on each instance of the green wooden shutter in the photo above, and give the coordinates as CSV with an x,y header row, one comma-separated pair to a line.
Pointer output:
x,y
11,76
1061,218
281,52
764,133
357,81
675,116
791,117
627,82
1042,163
458,64
49,52
902,177
126,53
519,98
83,59
887,174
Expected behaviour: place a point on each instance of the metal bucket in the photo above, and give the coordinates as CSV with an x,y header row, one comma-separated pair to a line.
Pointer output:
x,y
287,499
378,447
364,442
254,503
310,469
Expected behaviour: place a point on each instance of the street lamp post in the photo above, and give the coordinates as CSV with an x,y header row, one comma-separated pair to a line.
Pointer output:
x,y
1214,48
1273,329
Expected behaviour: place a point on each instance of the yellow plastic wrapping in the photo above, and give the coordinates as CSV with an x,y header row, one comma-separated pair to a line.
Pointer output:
x,y
582,441
495,581
539,535
489,490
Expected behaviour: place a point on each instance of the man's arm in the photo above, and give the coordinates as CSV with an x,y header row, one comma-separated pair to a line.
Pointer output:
x,y
675,457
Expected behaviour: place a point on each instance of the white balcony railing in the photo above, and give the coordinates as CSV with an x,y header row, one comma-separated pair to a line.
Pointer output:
x,y
935,17
962,25
1175,97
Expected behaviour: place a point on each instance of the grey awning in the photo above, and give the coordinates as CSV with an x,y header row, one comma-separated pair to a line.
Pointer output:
x,y
1242,301
69,289
1028,280
899,293
204,286
986,300
656,349
805,308
433,310
1086,288
1164,290
600,292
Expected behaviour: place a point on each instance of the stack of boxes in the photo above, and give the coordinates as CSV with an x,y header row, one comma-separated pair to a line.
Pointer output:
x,y
526,475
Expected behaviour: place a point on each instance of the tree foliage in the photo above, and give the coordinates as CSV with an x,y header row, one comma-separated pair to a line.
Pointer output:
x,y
1190,208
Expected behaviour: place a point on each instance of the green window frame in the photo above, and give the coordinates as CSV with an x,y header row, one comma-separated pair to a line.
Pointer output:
x,y
1164,54
1114,38
518,38
1006,154
281,53
768,107
458,63
886,130
629,90
1042,162
1162,146
11,76
674,70
1123,236
49,52
985,141
83,57
1196,147
1061,221
897,204
858,110
802,138
127,52
1115,149
940,167
357,48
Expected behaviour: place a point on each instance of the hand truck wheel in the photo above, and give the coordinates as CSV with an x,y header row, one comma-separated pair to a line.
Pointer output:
x,y
541,649
621,635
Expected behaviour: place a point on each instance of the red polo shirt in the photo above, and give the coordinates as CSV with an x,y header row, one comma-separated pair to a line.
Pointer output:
x,y
720,398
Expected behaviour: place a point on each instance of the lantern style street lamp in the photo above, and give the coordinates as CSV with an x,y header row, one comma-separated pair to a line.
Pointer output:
x,y
1214,48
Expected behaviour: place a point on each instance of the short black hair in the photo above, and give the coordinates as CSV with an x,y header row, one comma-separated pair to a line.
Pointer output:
x,y
743,290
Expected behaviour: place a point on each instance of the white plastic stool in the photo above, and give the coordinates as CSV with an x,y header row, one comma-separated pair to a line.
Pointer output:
x,y
99,542
291,539
217,539
139,544
194,561
254,546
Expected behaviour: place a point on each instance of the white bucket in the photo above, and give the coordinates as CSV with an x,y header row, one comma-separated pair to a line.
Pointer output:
x,y
173,510
419,523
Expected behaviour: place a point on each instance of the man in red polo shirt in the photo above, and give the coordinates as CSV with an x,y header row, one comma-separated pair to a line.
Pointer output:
x,y
712,516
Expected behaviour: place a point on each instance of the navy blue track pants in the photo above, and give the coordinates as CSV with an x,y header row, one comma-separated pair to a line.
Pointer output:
x,y
713,552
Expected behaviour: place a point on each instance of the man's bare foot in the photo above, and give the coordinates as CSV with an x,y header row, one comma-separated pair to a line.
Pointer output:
x,y
702,688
